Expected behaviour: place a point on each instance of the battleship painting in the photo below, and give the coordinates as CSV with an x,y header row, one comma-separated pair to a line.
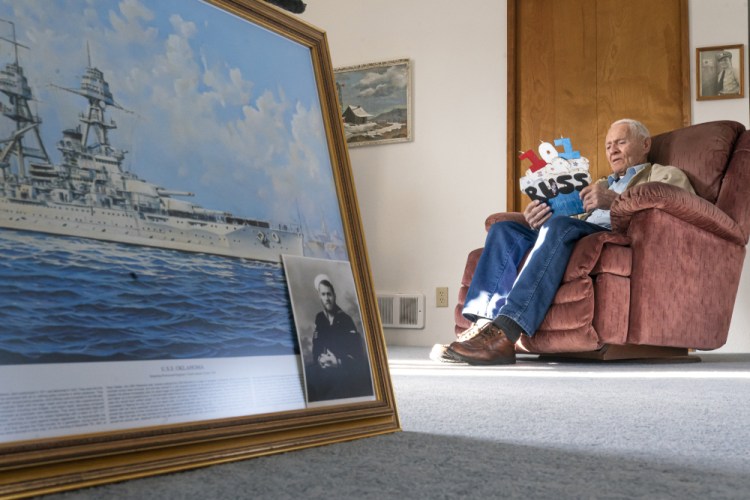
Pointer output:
x,y
90,194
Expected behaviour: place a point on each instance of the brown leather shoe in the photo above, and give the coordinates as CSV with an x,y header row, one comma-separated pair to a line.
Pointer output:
x,y
489,347
440,352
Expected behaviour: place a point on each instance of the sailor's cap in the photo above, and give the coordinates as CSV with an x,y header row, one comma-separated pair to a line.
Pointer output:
x,y
319,278
723,55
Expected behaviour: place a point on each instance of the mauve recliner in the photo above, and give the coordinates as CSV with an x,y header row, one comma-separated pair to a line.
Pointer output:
x,y
665,279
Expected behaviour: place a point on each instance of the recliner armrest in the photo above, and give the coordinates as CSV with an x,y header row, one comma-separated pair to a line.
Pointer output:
x,y
588,251
678,203
505,216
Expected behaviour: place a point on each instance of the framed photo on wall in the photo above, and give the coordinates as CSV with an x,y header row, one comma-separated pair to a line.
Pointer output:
x,y
375,102
720,72
158,163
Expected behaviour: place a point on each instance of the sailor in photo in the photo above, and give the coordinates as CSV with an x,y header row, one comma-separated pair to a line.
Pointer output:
x,y
339,359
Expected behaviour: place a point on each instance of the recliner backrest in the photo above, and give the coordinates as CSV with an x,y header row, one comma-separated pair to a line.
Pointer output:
x,y
734,197
702,151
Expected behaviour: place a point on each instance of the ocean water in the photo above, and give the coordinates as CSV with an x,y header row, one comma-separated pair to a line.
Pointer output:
x,y
65,299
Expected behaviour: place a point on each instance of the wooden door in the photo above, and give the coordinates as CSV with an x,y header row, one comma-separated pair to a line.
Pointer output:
x,y
575,66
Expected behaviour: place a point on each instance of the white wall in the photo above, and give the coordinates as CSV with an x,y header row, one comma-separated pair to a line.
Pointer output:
x,y
712,23
423,203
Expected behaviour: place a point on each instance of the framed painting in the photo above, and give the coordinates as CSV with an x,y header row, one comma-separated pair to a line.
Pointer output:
x,y
375,102
158,162
720,72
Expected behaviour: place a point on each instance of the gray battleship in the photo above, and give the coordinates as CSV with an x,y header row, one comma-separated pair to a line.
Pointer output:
x,y
89,194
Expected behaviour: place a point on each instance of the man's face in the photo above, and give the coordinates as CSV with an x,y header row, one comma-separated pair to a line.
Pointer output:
x,y
725,63
625,149
327,297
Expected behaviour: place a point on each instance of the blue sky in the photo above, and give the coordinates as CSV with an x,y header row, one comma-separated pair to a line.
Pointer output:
x,y
218,106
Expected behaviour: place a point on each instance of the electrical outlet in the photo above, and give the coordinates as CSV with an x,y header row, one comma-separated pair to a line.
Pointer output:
x,y
441,296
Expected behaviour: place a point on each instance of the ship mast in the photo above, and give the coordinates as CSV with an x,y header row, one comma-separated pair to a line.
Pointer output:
x,y
96,90
93,87
14,84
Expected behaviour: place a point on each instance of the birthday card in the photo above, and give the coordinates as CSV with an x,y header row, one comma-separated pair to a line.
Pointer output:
x,y
557,177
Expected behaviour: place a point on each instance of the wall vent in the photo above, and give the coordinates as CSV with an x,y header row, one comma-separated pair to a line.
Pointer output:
x,y
401,310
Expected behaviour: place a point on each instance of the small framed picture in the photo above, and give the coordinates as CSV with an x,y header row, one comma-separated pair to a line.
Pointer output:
x,y
720,72
375,102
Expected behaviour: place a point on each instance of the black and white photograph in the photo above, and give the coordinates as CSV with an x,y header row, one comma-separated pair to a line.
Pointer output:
x,y
720,72
329,328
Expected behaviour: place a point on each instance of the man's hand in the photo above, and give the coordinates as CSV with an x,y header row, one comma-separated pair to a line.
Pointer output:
x,y
597,195
328,360
537,213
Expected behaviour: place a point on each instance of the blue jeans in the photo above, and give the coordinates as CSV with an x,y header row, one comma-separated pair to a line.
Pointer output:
x,y
524,296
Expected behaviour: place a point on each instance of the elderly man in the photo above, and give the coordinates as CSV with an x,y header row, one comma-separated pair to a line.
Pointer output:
x,y
504,303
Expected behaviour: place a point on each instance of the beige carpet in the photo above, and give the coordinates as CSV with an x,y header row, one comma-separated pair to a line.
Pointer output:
x,y
533,430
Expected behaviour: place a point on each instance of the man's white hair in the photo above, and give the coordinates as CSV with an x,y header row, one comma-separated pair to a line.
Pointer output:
x,y
636,128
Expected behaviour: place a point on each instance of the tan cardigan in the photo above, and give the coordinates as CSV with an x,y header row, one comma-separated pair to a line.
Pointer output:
x,y
653,172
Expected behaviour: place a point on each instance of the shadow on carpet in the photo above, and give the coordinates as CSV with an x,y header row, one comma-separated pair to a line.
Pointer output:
x,y
414,465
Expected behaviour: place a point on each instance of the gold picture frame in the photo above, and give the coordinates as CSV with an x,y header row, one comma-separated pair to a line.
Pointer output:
x,y
57,461
720,72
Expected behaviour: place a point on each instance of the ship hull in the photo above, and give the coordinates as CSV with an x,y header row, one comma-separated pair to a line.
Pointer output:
x,y
135,228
